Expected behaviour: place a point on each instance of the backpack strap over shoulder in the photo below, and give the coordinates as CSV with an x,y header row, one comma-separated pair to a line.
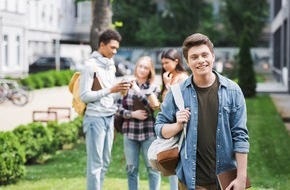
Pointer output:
x,y
179,101
178,98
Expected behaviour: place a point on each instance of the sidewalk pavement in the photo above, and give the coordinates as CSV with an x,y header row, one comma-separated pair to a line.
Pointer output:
x,y
282,103
12,116
281,98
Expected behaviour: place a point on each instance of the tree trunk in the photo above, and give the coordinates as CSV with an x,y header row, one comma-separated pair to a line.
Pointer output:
x,y
101,20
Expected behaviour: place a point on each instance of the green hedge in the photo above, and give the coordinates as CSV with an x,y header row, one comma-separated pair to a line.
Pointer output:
x,y
64,134
12,158
36,139
47,79
78,122
28,144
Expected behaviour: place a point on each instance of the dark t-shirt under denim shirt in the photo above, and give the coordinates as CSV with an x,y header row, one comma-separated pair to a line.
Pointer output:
x,y
206,133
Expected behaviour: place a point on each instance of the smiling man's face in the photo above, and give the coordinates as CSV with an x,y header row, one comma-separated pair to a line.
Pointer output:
x,y
200,60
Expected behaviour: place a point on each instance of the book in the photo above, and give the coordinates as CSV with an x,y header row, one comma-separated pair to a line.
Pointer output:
x,y
225,178
96,84
138,105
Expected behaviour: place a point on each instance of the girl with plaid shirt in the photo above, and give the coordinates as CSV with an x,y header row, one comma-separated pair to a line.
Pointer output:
x,y
138,126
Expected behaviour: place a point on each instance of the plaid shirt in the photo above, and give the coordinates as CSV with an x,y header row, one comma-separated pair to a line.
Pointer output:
x,y
136,129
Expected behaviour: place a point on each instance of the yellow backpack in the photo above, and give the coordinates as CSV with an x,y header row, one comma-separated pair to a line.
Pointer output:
x,y
74,87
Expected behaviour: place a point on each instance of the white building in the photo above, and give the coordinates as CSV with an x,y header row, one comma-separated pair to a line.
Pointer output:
x,y
280,29
30,28
13,40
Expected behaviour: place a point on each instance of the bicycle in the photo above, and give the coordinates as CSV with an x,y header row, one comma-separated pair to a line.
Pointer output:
x,y
10,90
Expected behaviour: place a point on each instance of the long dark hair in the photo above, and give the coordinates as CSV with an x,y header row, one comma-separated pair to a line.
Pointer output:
x,y
172,54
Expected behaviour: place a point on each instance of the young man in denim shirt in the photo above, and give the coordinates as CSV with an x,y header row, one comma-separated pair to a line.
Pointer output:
x,y
98,123
217,137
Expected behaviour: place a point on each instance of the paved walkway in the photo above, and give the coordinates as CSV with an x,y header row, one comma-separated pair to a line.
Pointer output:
x,y
12,116
282,102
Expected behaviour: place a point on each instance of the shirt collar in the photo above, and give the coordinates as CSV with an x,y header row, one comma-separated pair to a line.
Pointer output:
x,y
222,80
145,85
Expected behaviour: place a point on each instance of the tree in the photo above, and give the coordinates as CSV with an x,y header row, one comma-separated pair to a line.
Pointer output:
x,y
150,34
246,15
181,19
246,74
144,23
246,19
133,14
101,20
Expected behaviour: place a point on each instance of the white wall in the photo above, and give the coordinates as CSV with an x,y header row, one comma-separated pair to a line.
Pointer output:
x,y
37,24
67,17
12,28
79,53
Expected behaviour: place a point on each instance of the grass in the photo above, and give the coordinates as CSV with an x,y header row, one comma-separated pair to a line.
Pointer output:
x,y
269,156
66,171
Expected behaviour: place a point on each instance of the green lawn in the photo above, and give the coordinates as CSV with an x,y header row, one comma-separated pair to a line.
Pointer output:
x,y
269,158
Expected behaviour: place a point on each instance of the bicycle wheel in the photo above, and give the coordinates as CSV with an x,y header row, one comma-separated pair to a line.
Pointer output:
x,y
28,91
19,98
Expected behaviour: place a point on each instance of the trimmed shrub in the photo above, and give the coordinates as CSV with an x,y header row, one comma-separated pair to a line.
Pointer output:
x,y
36,140
12,159
60,80
47,79
64,134
67,74
78,122
38,83
28,82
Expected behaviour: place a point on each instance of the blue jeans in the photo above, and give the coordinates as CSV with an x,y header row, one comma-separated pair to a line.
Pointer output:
x,y
173,180
132,150
99,134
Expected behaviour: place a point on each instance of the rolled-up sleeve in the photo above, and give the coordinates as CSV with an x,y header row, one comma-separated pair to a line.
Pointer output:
x,y
167,114
239,126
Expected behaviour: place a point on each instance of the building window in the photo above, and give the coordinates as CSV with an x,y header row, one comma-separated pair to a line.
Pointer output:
x,y
51,15
277,6
5,49
18,50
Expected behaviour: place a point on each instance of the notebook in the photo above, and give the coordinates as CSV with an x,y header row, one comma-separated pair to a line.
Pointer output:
x,y
96,84
225,178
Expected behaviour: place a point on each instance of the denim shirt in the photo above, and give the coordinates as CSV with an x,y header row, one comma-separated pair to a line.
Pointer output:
x,y
231,134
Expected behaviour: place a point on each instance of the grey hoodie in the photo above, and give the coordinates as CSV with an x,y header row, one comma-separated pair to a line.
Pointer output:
x,y
99,103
